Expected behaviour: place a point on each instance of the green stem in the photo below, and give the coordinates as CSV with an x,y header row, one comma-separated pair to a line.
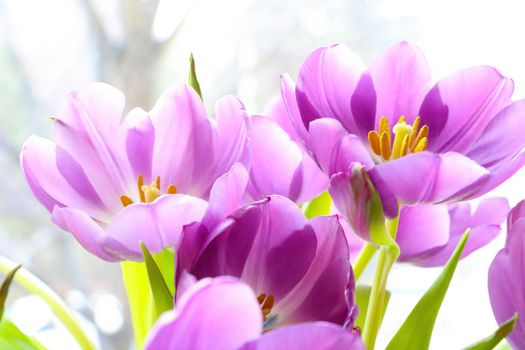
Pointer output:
x,y
35,286
140,299
363,259
388,254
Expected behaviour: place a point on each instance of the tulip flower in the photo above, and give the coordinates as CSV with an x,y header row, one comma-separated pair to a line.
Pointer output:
x,y
421,142
114,183
299,268
506,284
225,314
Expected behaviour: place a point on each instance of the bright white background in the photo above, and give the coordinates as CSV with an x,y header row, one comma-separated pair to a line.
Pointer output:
x,y
241,46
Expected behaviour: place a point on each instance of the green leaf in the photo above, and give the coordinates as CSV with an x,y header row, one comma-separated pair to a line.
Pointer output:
x,y
162,296
140,299
494,339
12,338
166,262
4,289
318,206
416,331
192,78
362,297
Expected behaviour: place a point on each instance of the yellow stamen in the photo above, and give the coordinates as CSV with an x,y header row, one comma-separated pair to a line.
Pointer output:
x,y
383,125
140,183
415,129
386,151
421,145
147,193
261,298
266,303
151,192
373,139
406,138
401,130
422,134
125,200
404,146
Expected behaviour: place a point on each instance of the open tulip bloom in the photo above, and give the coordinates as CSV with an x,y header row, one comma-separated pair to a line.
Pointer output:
x,y
245,231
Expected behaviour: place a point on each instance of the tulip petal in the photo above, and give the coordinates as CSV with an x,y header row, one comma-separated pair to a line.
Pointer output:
x,y
424,178
280,166
87,127
87,232
309,336
226,195
422,228
158,224
506,283
334,148
462,105
183,139
484,224
320,295
499,142
401,76
39,161
140,140
290,102
327,80
218,314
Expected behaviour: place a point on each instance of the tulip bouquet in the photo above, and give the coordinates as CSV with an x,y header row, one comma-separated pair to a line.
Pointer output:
x,y
242,231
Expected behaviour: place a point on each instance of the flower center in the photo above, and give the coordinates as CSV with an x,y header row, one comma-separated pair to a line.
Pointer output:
x,y
266,303
147,193
407,138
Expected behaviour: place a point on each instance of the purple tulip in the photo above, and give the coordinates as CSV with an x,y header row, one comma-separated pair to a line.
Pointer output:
x,y
279,165
299,268
421,142
506,277
113,183
225,314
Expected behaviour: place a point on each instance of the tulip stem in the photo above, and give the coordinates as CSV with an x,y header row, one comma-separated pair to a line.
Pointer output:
x,y
363,259
34,285
388,254
140,299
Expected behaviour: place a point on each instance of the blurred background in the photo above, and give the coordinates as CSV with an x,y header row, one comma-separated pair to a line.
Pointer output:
x,y
241,47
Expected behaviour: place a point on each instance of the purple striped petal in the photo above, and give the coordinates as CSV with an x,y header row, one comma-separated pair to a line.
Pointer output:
x,y
401,76
463,105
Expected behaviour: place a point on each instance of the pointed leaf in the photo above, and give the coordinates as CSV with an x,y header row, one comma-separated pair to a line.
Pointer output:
x,y
318,206
4,289
494,339
192,78
162,297
416,331
362,297
12,338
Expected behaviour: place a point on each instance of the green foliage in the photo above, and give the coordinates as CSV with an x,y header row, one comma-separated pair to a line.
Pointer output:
x,y
495,338
362,297
12,338
192,78
162,296
4,289
416,331
318,206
